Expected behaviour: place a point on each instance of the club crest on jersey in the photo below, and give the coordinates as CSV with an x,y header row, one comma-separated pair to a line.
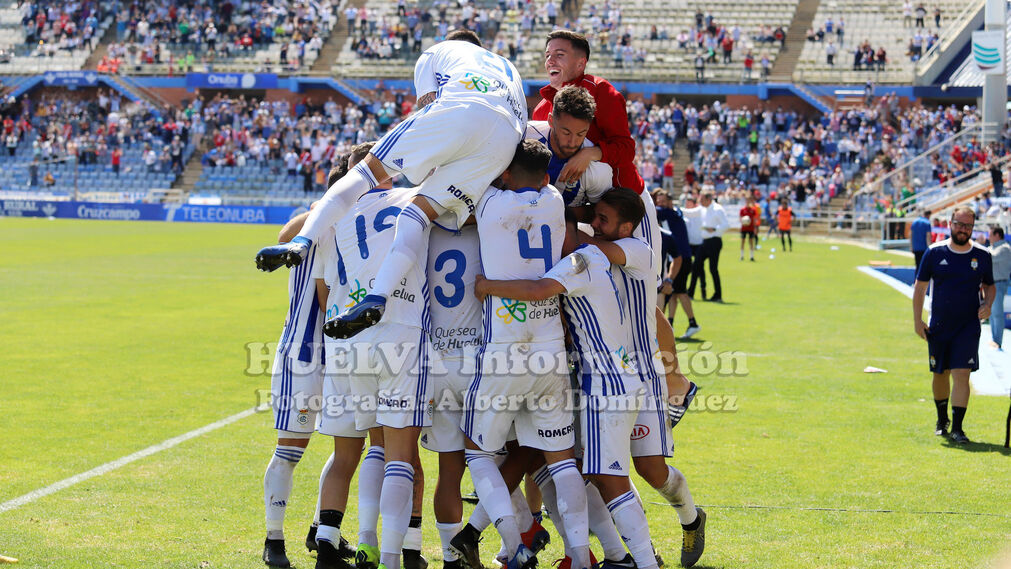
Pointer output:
x,y
303,416
974,264
512,310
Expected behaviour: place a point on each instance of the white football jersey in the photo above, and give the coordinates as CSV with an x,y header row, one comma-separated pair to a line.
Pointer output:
x,y
462,71
521,238
598,327
302,334
333,273
454,258
364,238
636,282
591,185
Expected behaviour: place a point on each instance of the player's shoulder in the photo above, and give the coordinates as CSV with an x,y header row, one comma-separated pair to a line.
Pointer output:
x,y
537,130
940,245
977,247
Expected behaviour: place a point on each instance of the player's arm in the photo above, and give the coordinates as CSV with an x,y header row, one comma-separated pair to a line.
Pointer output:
x,y
424,100
579,214
322,292
989,295
520,289
426,84
614,253
919,294
291,229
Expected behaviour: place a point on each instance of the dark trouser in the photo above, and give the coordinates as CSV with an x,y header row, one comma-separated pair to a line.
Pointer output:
x,y
697,272
917,257
784,236
711,248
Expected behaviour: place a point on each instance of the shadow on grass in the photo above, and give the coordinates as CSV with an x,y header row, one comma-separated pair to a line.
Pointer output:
x,y
692,340
979,447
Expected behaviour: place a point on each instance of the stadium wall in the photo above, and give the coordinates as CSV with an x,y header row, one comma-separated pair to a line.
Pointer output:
x,y
276,215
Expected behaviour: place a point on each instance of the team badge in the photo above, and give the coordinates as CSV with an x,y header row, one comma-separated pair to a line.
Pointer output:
x,y
933,362
974,263
303,416
431,407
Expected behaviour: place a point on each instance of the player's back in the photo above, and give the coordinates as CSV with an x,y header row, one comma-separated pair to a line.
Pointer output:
x,y
462,71
597,324
454,258
636,284
521,238
364,238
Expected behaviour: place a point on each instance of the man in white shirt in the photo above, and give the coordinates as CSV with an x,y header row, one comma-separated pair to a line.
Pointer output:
x,y
714,223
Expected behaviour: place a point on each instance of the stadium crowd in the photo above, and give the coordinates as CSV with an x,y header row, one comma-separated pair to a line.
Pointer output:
x,y
58,25
209,31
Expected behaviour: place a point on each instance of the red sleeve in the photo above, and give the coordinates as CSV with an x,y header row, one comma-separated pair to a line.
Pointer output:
x,y
616,144
541,111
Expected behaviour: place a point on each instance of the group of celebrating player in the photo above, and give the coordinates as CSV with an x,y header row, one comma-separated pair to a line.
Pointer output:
x,y
503,312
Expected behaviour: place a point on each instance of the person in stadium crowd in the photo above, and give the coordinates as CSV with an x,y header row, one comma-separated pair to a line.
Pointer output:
x,y
692,214
919,235
958,267
566,54
750,217
1000,250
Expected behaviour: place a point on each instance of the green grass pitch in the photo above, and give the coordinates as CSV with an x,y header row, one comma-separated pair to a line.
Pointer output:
x,y
117,336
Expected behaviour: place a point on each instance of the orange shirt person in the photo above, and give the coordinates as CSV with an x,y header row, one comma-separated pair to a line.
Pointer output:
x,y
785,217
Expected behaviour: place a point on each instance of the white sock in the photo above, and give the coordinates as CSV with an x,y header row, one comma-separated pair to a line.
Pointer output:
x,y
571,496
319,495
328,533
410,244
277,483
675,490
395,507
412,539
338,200
524,519
493,493
602,525
479,518
446,534
370,474
548,495
630,519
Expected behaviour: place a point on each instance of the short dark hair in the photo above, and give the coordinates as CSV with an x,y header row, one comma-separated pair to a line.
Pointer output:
x,y
963,209
626,203
339,170
998,231
359,152
531,159
578,41
463,34
574,101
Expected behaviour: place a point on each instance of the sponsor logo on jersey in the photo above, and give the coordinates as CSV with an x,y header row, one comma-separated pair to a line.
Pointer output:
x,y
475,82
943,262
551,433
394,403
512,310
356,294
614,466
639,432
398,162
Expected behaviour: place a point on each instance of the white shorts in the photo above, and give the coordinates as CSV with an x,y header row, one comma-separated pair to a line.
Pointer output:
x,y
296,390
390,365
605,430
468,145
651,435
449,389
649,231
538,406
337,417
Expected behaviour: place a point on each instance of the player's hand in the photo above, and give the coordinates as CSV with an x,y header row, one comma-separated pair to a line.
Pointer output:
x,y
984,311
479,287
290,254
574,168
667,287
921,328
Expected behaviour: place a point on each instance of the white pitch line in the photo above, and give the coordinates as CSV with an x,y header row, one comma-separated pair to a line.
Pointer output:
x,y
119,462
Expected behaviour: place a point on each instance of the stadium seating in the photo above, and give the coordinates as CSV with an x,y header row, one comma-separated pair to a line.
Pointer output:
x,y
84,178
33,57
261,184
879,22
663,59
